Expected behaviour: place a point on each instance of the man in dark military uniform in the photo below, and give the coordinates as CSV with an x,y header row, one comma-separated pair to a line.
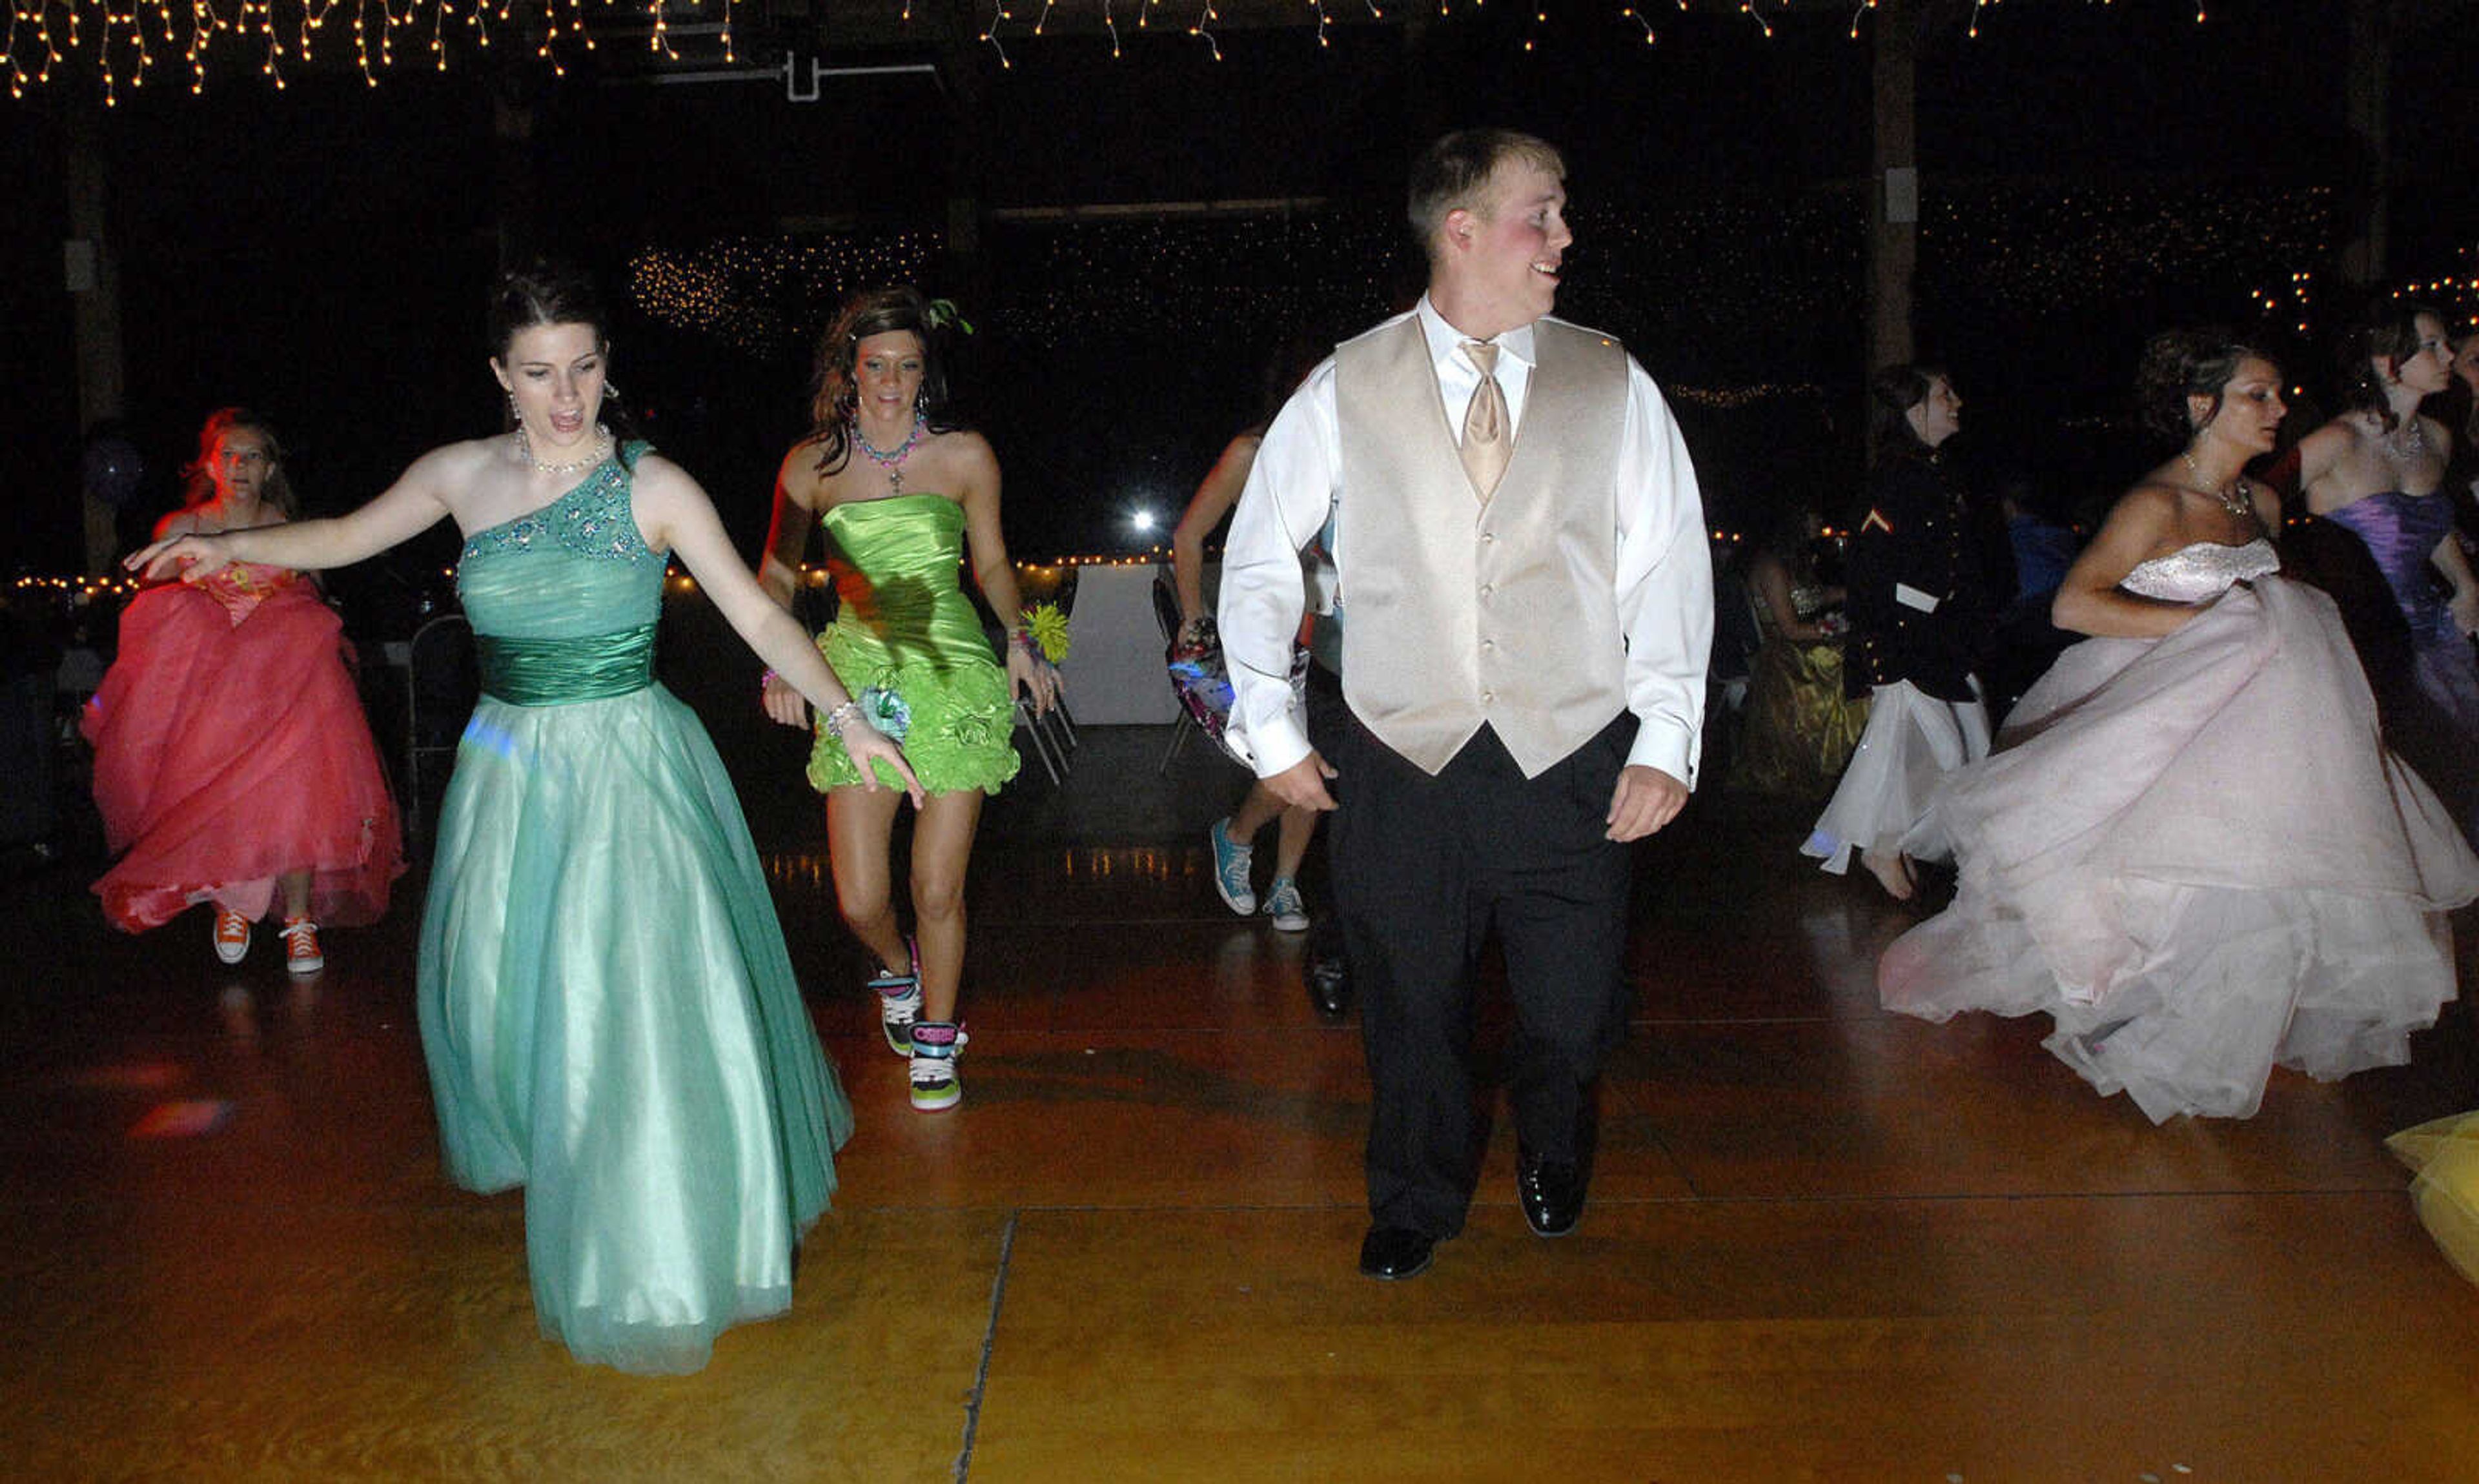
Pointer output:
x,y
1919,608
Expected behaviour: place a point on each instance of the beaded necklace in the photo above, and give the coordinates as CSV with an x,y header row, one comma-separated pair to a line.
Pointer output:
x,y
891,459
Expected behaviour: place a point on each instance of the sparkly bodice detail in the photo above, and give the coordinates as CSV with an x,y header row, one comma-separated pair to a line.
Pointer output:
x,y
572,569
593,518
2202,572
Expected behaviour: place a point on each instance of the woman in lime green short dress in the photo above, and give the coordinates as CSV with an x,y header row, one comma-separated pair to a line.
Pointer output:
x,y
903,494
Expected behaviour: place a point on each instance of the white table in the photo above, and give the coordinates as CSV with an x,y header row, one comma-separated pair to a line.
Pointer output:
x,y
1114,659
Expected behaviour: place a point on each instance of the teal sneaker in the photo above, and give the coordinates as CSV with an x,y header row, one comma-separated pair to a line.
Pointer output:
x,y
1231,861
1283,905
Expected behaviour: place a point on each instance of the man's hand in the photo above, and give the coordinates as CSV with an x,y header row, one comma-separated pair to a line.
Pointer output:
x,y
1302,785
1645,799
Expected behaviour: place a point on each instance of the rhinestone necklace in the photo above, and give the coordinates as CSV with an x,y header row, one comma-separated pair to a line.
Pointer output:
x,y
2237,497
2406,442
602,450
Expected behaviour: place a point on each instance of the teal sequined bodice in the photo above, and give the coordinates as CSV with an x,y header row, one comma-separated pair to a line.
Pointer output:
x,y
564,600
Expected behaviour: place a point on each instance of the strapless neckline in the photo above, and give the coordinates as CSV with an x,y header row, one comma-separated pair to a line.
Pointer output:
x,y
2406,494
893,500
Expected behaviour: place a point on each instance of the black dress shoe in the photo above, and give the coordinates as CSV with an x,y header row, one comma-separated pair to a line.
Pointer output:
x,y
1329,982
1552,1194
1393,1252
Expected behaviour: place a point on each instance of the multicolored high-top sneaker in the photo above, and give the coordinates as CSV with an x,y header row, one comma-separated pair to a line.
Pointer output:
x,y
934,1044
898,1000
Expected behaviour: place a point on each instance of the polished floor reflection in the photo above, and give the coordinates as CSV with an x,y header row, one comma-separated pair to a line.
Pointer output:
x,y
1822,1243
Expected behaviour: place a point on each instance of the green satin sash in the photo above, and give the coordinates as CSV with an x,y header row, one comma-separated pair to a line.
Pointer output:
x,y
558,672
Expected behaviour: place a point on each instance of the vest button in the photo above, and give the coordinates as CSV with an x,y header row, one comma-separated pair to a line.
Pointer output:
x,y
1488,697
1487,645
1487,588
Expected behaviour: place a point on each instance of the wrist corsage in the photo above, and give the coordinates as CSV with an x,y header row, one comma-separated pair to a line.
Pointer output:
x,y
886,711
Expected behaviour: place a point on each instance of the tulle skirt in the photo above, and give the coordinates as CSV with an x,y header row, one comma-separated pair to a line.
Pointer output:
x,y
2196,856
611,1020
226,756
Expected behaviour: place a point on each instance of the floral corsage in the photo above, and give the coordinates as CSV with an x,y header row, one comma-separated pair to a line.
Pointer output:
x,y
885,710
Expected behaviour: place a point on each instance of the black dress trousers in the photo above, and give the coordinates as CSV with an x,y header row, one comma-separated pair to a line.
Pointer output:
x,y
1425,869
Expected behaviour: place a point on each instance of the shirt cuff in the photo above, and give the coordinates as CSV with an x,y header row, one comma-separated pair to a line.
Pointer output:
x,y
1665,745
1279,746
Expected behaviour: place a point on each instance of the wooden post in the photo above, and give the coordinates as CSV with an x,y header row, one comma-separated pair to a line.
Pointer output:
x,y
2366,100
962,75
1893,183
518,194
92,275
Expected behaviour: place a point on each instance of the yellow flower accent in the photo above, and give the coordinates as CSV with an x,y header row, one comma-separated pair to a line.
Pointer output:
x,y
1049,628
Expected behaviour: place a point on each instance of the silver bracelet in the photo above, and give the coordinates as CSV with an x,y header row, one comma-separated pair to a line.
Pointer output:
x,y
841,716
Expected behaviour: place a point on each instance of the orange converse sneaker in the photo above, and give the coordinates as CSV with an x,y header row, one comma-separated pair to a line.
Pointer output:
x,y
301,954
231,936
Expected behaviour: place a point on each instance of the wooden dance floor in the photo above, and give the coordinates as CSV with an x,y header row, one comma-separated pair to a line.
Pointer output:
x,y
1822,1243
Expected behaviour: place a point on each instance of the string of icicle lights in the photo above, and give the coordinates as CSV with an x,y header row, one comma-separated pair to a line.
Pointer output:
x,y
129,42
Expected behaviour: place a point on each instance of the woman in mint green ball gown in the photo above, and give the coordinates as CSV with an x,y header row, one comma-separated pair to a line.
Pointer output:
x,y
903,494
607,1006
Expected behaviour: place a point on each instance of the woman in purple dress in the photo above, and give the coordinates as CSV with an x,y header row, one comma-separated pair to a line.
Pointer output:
x,y
2378,470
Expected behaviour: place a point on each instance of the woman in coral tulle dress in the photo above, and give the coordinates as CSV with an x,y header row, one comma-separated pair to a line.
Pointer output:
x,y
233,763
2192,850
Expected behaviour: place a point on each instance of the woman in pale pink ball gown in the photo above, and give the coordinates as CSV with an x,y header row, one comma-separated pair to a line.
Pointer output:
x,y
2192,850
233,764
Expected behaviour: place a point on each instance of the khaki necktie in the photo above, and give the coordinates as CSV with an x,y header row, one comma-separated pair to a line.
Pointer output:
x,y
1486,448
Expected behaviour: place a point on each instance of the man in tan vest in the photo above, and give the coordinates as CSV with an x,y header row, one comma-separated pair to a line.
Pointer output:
x,y
1520,558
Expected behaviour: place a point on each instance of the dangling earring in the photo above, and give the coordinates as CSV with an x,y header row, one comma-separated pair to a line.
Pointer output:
x,y
514,415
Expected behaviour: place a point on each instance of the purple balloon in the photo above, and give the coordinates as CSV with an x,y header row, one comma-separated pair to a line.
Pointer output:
x,y
113,470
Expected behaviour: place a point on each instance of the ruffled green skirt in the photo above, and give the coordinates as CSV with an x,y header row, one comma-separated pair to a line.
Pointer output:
x,y
951,712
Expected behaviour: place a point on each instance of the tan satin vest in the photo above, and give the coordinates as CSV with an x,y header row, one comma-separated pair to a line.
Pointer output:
x,y
1462,613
